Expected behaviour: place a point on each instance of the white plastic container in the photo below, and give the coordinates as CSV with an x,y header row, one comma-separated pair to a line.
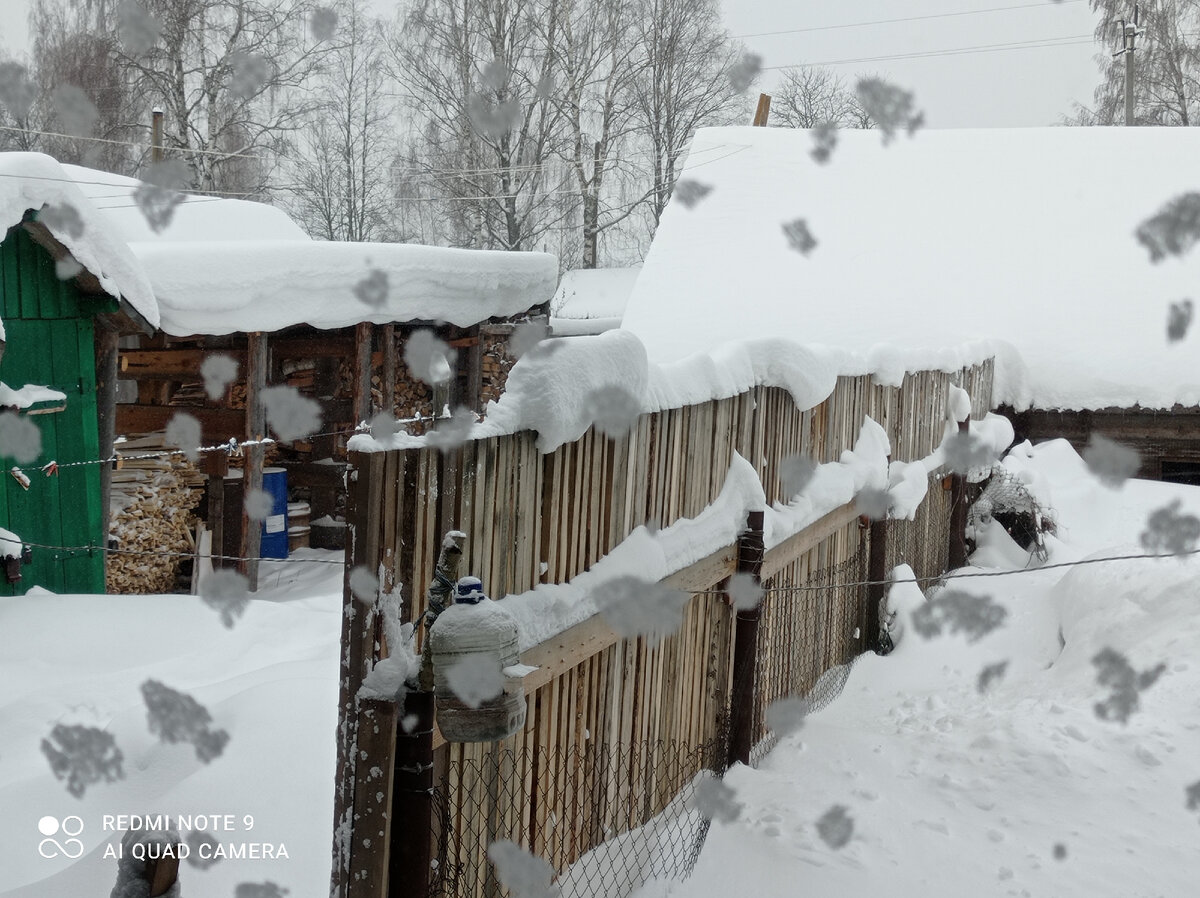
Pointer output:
x,y
483,631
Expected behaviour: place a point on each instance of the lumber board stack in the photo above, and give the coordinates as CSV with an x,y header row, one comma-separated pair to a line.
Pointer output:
x,y
152,505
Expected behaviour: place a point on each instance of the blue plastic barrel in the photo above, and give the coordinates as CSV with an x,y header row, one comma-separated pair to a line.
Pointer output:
x,y
275,526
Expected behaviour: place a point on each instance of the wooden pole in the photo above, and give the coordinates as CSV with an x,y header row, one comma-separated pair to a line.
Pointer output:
x,y
362,371
745,648
390,365
763,110
958,511
156,135
107,354
216,466
256,428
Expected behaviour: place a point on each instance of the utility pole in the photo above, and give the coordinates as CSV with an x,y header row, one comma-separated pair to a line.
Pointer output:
x,y
1129,35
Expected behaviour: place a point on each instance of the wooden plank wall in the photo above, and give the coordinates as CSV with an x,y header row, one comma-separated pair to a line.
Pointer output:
x,y
576,774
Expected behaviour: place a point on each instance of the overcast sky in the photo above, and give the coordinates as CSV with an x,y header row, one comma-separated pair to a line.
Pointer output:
x,y
998,87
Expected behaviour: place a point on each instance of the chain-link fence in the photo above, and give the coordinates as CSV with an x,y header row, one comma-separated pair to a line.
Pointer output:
x,y
807,638
924,542
607,819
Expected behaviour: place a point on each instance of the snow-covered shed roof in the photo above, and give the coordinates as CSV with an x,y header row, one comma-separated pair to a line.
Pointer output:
x,y
225,265
1022,239
591,300
221,287
33,180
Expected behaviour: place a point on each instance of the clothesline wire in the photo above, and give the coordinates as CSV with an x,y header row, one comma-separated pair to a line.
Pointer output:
x,y
230,445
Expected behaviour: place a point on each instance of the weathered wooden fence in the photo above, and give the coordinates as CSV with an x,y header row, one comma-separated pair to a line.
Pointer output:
x,y
556,787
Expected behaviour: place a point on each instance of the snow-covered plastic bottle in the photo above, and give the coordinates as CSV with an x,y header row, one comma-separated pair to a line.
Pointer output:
x,y
472,643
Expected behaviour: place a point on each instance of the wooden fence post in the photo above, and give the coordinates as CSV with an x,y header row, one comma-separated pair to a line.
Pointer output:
x,y
412,800
745,647
958,510
158,873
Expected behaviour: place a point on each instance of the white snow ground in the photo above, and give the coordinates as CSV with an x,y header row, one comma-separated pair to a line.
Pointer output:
x,y
1020,790
952,792
270,681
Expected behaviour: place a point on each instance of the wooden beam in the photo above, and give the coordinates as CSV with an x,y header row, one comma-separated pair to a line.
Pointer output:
x,y
170,364
810,537
217,425
313,475
706,572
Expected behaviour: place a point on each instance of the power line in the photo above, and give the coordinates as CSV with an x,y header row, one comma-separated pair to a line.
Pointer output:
x,y
127,143
1065,41
942,15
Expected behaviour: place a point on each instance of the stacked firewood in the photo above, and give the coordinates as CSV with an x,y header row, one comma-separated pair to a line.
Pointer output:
x,y
151,509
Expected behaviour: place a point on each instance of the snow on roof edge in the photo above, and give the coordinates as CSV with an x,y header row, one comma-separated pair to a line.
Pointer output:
x,y
548,391
35,180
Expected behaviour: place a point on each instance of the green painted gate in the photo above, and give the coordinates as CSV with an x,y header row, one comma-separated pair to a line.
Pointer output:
x,y
50,341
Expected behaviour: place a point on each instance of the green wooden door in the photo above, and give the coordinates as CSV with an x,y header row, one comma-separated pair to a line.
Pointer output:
x,y
51,341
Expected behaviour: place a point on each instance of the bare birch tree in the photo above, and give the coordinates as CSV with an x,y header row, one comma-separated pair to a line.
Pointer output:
x,y
600,61
1167,83
479,75
686,83
812,96
341,188
229,76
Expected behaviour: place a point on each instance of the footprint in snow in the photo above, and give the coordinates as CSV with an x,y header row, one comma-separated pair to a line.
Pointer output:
x,y
1146,756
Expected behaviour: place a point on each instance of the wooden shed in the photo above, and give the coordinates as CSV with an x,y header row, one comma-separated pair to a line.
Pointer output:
x,y
330,319
61,301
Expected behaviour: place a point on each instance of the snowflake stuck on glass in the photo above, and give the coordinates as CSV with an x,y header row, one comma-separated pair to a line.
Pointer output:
x,y
177,717
82,756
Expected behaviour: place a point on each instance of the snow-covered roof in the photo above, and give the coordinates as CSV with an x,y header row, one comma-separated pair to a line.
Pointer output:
x,y
221,287
591,300
225,265
33,180
1022,239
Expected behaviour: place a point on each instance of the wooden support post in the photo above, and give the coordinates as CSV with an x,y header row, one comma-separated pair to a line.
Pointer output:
x,y
474,391
412,803
958,510
159,874
216,466
877,574
388,381
362,371
256,429
745,647
107,354
323,499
